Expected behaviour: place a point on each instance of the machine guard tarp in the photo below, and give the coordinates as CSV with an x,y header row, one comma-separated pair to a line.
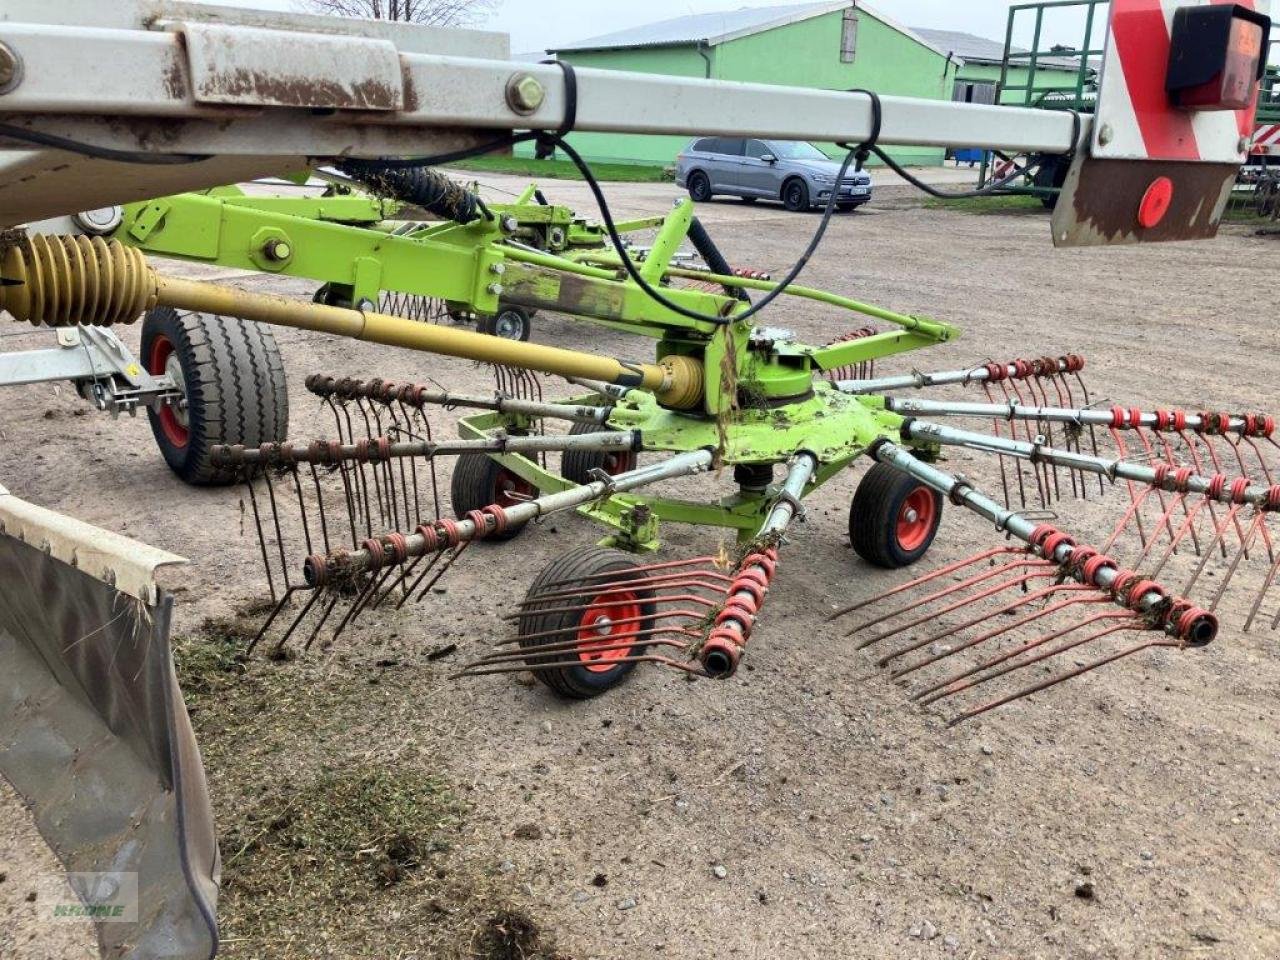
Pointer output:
x,y
94,734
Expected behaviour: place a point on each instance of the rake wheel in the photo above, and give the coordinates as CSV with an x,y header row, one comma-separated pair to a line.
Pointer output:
x,y
578,465
479,481
894,518
598,621
233,380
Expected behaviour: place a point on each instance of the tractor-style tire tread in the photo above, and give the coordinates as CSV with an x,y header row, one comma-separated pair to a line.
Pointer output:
x,y
236,389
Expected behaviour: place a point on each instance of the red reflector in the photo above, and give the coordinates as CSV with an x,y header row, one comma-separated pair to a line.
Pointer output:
x,y
1155,203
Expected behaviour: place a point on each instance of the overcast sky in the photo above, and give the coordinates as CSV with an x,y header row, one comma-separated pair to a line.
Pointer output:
x,y
537,24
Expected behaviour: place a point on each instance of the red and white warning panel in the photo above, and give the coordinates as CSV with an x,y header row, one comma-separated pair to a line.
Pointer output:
x,y
1266,140
1175,120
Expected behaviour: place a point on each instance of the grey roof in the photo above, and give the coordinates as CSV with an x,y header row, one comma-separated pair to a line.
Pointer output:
x,y
716,28
975,49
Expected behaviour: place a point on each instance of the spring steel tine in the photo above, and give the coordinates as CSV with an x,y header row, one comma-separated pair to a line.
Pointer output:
x,y
927,578
275,519
1009,608
1256,608
1044,657
444,568
696,616
324,618
262,536
1219,536
685,666
679,598
320,510
1001,587
302,509
375,586
572,646
650,583
1187,524
954,684
1242,553
973,581
302,614
275,612
1063,678
647,568
432,560
990,635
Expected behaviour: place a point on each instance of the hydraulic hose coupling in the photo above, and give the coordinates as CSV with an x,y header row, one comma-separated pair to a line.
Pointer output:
x,y
68,281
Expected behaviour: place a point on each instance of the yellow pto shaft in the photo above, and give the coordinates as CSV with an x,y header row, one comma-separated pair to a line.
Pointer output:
x,y
67,281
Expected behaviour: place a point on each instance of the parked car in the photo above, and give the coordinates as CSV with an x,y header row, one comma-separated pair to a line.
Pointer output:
x,y
797,173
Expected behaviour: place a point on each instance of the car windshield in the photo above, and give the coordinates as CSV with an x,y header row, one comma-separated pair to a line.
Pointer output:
x,y
797,150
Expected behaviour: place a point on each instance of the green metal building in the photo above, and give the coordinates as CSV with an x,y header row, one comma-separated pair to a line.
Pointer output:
x,y
982,60
836,45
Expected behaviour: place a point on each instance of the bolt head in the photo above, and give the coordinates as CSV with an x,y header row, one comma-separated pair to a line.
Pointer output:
x,y
10,69
277,250
1106,134
495,289
525,93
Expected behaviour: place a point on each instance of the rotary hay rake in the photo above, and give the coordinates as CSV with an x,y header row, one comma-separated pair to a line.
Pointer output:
x,y
1014,620
355,523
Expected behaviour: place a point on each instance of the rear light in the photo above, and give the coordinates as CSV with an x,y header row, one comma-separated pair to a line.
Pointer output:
x,y
1217,57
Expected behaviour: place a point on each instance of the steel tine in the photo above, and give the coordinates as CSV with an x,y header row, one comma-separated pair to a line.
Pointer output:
x,y
432,563
694,616
302,508
993,634
306,608
1124,455
1021,581
927,578
570,646
1262,593
692,667
954,684
954,588
1187,524
1219,535
275,612
1008,608
324,618
1241,554
1063,678
444,568
262,535
324,520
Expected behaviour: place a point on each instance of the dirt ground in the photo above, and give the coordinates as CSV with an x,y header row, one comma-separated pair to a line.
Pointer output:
x,y
849,823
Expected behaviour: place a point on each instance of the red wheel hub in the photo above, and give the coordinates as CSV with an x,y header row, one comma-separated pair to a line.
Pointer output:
x,y
162,360
612,620
616,463
916,519
510,489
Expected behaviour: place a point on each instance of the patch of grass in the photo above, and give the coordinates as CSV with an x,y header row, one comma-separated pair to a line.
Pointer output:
x,y
989,205
564,169
339,839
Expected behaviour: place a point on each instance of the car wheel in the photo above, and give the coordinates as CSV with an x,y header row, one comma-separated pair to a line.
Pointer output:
x,y
699,187
795,196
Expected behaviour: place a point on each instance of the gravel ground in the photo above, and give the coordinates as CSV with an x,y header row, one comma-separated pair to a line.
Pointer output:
x,y
805,809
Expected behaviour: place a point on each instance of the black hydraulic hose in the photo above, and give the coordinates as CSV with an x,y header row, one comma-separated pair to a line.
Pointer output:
x,y
712,256
420,186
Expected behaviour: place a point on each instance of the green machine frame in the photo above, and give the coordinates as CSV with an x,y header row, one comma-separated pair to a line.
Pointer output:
x,y
542,257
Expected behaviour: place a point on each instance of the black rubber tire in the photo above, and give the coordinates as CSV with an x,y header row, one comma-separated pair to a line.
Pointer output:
x,y
795,196
576,465
699,186
517,319
478,482
235,386
579,567
874,513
